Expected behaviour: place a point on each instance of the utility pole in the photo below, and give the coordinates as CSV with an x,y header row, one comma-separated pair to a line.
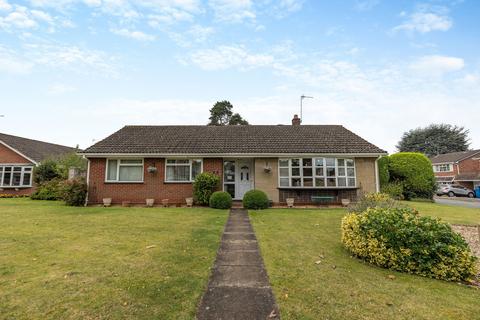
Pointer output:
x,y
301,105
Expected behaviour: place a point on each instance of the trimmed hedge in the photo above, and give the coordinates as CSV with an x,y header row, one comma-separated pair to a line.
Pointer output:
x,y
221,200
400,239
203,187
255,199
414,171
383,173
394,190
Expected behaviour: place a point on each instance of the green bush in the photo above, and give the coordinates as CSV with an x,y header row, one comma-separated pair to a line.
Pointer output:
x,y
50,190
374,200
394,190
383,173
75,192
414,171
255,199
204,185
221,200
46,171
401,240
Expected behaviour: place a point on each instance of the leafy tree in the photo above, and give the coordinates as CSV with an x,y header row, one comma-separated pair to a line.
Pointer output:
x,y
221,114
71,160
46,171
435,139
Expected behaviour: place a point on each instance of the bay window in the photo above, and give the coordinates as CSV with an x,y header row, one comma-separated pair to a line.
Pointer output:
x,y
318,172
124,170
182,170
16,176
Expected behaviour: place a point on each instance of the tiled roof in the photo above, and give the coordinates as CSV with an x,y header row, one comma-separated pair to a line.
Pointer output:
x,y
34,149
250,139
453,156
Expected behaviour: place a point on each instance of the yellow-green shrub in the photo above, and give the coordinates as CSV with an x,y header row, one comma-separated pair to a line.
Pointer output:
x,y
400,239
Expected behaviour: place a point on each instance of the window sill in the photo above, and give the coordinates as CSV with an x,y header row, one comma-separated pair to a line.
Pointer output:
x,y
318,188
15,187
123,182
178,182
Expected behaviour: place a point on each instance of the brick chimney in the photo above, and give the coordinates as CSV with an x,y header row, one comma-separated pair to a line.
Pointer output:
x,y
296,120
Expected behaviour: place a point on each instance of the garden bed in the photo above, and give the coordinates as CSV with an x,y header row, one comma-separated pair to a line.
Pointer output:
x,y
471,234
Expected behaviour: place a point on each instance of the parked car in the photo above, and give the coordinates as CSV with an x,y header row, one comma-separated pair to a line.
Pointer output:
x,y
455,190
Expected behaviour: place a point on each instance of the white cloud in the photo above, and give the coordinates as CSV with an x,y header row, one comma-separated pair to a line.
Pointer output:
x,y
436,65
60,88
11,63
426,19
5,6
72,58
225,57
233,11
366,5
136,35
20,18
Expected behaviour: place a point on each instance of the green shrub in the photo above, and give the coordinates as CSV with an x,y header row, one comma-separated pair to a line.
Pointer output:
x,y
383,173
401,240
374,200
46,171
75,192
50,190
221,200
255,199
414,171
203,187
394,190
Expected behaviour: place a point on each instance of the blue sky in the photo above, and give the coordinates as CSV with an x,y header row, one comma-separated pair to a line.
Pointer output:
x,y
72,72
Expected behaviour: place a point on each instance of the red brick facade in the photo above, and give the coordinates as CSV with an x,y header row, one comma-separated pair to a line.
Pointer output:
x,y
8,156
153,186
469,166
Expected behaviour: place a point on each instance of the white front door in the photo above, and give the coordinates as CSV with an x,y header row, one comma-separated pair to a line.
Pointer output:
x,y
244,178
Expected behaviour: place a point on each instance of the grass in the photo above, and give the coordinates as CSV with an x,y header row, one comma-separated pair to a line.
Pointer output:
x,y
342,287
448,213
60,262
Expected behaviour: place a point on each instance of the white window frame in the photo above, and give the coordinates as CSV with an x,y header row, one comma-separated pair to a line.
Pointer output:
x,y
314,173
184,165
119,164
22,174
446,166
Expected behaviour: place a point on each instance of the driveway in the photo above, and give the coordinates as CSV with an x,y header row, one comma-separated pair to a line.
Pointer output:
x,y
462,202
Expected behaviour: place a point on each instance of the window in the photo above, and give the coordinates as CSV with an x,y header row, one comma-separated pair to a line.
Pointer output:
x,y
316,173
182,170
124,170
442,167
15,176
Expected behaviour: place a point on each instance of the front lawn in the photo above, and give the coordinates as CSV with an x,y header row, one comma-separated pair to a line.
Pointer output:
x,y
314,277
60,262
449,213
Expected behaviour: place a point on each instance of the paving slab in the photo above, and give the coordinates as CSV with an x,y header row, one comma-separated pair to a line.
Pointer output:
x,y
239,287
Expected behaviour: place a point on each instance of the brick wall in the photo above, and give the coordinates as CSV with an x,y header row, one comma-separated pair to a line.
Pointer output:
x,y
469,165
154,185
7,156
267,181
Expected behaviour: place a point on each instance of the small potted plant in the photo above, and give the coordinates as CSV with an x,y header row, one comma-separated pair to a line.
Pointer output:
x,y
189,202
345,202
165,202
150,202
151,169
290,202
107,202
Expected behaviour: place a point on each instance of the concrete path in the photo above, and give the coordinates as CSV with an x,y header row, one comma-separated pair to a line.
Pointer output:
x,y
239,286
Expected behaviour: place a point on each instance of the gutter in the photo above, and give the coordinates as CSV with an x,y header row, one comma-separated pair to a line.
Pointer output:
x,y
228,155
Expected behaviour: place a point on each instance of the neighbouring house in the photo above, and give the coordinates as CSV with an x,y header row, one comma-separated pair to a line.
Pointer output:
x,y
285,161
18,157
458,167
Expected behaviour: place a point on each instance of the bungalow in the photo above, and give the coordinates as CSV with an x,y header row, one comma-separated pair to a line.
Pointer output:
x,y
458,167
285,161
18,157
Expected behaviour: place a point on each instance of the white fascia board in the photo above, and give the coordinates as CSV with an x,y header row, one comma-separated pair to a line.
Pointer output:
x,y
229,155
